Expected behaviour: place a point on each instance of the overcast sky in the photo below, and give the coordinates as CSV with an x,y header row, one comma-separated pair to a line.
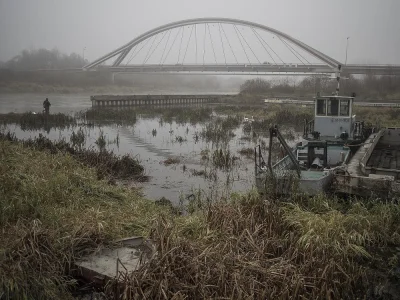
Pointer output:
x,y
103,25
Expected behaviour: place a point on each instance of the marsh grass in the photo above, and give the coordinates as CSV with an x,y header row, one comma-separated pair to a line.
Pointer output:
x,y
52,215
198,172
180,139
381,116
31,121
115,140
172,161
106,162
101,141
78,139
104,115
248,152
223,159
181,115
216,133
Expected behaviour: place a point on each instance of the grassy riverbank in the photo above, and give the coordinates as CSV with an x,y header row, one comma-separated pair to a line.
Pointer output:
x,y
53,210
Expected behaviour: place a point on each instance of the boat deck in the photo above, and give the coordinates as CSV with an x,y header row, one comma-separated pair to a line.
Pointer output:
x,y
374,170
353,166
385,157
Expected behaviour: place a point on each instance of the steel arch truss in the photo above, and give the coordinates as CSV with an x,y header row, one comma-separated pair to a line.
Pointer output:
x,y
123,51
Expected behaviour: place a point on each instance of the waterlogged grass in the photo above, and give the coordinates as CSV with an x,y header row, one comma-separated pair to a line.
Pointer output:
x,y
52,211
223,159
248,152
78,138
33,121
272,114
220,130
181,115
113,116
172,161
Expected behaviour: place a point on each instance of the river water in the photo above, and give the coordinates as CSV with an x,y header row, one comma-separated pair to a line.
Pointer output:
x,y
152,142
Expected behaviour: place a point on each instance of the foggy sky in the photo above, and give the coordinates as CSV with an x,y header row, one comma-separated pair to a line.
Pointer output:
x,y
103,25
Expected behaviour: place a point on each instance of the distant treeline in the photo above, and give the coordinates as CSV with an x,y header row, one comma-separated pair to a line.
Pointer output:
x,y
369,86
22,68
44,59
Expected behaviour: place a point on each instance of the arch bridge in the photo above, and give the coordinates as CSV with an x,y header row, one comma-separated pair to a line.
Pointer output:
x,y
222,45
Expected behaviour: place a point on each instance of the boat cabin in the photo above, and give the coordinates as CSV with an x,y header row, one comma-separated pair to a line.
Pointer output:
x,y
333,116
333,119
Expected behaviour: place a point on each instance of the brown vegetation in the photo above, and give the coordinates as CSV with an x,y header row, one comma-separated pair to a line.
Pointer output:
x,y
252,248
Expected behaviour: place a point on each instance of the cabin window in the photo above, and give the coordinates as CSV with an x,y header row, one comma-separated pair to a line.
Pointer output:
x,y
333,107
321,107
345,107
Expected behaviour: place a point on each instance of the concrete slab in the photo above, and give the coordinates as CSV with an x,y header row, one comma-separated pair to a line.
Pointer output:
x,y
106,263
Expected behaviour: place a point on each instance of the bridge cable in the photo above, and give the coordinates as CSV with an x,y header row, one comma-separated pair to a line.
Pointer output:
x,y
180,45
144,44
294,49
151,46
223,30
133,52
222,42
249,47
204,41
269,46
234,26
290,49
263,45
155,48
173,42
212,44
187,45
195,37
165,47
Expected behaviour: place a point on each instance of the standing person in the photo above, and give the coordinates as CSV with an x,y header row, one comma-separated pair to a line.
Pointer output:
x,y
46,106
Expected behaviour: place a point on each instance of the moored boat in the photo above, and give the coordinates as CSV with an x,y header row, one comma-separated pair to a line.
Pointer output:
x,y
329,140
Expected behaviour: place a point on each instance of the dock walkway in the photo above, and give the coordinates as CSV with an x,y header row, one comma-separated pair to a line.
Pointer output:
x,y
142,100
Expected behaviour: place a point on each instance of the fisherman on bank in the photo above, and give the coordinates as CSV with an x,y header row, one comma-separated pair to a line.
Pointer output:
x,y
46,106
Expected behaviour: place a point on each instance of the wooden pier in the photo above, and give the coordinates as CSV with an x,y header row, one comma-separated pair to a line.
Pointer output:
x,y
142,100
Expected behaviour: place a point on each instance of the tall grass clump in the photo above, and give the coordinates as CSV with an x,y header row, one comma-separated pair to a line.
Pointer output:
x,y
217,133
101,141
78,139
223,159
54,214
